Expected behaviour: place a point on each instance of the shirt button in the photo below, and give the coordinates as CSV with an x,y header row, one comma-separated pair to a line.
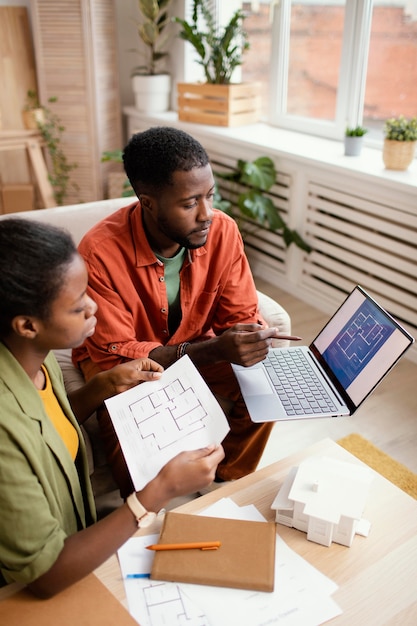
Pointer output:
x,y
113,348
165,332
163,310
161,279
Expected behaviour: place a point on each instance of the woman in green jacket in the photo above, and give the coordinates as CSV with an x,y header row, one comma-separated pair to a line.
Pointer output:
x,y
49,537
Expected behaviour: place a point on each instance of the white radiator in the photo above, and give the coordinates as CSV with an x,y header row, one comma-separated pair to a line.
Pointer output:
x,y
360,241
355,240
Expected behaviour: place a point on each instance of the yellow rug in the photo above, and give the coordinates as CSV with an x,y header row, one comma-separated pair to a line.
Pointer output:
x,y
388,467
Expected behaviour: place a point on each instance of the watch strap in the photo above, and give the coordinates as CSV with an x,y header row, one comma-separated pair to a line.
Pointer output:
x,y
143,517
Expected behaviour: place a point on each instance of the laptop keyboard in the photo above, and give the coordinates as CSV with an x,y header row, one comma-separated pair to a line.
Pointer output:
x,y
298,387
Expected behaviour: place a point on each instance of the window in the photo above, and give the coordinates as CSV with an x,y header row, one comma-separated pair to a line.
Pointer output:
x,y
325,64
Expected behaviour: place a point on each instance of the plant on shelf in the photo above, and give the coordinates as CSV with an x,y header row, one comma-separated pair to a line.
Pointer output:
x,y
219,50
151,84
401,129
353,140
400,142
116,156
253,180
357,131
151,31
50,127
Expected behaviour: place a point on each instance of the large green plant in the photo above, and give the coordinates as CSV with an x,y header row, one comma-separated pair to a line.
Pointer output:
x,y
254,179
51,129
152,32
219,49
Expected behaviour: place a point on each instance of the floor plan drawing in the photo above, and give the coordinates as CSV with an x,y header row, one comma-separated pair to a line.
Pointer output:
x,y
165,416
357,343
156,420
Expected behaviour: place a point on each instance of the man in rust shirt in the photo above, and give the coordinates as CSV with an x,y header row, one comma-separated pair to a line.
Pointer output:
x,y
170,277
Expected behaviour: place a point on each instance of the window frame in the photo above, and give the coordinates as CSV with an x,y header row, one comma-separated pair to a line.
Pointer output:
x,y
352,75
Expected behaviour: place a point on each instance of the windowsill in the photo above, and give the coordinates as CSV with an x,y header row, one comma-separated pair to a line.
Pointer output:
x,y
300,147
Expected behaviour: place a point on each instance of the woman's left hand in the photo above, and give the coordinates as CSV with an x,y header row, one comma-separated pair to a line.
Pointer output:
x,y
129,374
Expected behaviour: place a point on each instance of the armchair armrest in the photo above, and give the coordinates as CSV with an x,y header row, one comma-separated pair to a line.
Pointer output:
x,y
275,315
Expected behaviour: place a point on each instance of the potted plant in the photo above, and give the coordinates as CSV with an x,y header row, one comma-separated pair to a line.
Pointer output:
x,y
33,113
42,118
253,179
118,183
219,51
151,86
354,140
400,142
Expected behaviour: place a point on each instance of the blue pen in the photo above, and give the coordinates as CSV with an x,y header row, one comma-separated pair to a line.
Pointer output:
x,y
138,575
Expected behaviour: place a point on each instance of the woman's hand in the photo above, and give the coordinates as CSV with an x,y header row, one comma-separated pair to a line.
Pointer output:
x,y
86,399
126,375
186,473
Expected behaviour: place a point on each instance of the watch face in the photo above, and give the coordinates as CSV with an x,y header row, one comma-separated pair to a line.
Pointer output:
x,y
147,519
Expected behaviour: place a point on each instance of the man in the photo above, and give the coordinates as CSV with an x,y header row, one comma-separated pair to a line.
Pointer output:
x,y
170,277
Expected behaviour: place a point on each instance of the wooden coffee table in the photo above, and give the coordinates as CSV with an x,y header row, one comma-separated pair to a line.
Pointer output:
x,y
377,575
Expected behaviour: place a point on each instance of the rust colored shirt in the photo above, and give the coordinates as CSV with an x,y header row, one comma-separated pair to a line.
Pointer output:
x,y
127,282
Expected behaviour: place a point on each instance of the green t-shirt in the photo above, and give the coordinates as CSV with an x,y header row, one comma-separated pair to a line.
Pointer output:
x,y
172,267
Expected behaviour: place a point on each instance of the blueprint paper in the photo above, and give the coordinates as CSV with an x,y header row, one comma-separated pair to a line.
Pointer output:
x,y
156,420
151,602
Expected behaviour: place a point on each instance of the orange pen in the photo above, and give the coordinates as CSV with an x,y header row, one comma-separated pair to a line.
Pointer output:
x,y
196,545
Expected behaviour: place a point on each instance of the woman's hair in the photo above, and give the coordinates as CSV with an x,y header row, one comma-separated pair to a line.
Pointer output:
x,y
152,156
33,259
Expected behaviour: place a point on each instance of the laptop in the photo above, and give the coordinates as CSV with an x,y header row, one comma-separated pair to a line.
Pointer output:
x,y
334,374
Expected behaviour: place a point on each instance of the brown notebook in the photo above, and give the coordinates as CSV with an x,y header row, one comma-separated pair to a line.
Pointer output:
x,y
245,559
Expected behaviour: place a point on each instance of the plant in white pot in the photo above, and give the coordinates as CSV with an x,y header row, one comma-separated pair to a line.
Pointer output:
x,y
354,140
151,85
400,142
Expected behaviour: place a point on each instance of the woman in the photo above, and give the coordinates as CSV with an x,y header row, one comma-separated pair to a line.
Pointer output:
x,y
48,535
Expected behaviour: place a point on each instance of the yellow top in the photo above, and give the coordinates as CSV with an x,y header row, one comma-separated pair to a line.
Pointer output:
x,y
55,413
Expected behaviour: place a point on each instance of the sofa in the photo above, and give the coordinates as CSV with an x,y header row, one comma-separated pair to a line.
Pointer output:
x,y
78,219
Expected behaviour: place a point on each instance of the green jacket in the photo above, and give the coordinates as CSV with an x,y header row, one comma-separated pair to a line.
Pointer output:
x,y
44,495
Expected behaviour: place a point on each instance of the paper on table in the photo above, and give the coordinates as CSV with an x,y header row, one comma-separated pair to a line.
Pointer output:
x,y
156,420
152,603
301,596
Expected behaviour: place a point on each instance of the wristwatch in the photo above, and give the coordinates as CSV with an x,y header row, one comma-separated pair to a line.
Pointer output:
x,y
144,518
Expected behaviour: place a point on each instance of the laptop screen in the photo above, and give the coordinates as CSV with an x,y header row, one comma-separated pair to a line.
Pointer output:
x,y
359,345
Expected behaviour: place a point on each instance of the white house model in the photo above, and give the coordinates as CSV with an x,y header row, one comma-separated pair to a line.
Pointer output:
x,y
325,498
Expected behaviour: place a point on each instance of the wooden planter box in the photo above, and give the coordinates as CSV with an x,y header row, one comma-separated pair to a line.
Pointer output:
x,y
219,105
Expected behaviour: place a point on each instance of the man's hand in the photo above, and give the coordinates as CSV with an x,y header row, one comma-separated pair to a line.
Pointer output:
x,y
246,344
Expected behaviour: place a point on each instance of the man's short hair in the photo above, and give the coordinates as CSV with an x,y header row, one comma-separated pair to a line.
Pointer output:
x,y
151,157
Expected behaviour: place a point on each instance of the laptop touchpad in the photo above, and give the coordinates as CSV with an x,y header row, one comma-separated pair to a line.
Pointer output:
x,y
254,382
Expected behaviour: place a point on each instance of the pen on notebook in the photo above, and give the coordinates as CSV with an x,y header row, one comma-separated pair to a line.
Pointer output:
x,y
138,575
200,545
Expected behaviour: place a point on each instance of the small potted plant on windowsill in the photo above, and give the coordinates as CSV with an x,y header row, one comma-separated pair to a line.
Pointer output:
x,y
151,85
354,140
219,50
400,142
